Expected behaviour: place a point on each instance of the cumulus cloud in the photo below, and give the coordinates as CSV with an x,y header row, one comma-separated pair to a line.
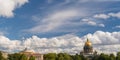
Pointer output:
x,y
101,16
91,22
102,42
101,25
106,16
7,7
115,14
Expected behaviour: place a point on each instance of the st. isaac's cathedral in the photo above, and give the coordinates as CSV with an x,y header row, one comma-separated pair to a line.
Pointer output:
x,y
88,50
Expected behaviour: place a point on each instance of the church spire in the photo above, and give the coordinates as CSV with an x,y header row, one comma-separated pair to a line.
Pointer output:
x,y
87,40
88,43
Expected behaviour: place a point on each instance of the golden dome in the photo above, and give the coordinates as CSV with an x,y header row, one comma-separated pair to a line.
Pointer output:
x,y
88,43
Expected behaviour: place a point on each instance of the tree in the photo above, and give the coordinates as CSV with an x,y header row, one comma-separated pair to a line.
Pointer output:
x,y
96,57
66,56
77,57
60,58
23,57
104,57
118,56
50,56
63,56
83,57
112,57
17,56
32,58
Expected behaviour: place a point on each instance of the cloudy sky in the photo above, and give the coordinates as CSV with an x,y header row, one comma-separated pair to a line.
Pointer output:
x,y
59,25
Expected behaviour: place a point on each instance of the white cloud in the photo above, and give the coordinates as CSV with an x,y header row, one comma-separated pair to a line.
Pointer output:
x,y
117,26
83,1
54,20
115,14
106,16
91,22
101,16
8,44
102,42
60,18
101,25
8,6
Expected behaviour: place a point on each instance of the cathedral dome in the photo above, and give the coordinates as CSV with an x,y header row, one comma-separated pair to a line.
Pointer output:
x,y
88,43
88,47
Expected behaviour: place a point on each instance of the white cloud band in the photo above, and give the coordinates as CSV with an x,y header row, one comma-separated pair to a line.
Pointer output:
x,y
102,41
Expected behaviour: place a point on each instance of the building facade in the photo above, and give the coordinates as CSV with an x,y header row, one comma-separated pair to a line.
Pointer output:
x,y
30,53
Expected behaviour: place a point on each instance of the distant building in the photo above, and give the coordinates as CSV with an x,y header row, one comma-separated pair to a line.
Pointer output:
x,y
88,50
30,53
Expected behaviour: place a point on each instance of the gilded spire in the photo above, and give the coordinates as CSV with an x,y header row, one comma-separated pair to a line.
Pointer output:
x,y
88,43
87,40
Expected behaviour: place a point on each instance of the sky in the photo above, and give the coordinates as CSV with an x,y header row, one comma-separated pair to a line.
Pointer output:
x,y
59,25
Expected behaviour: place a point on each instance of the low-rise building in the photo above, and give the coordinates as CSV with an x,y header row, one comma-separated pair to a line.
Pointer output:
x,y
30,53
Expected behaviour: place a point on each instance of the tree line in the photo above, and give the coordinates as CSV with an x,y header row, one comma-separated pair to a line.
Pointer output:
x,y
62,56
65,56
16,56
